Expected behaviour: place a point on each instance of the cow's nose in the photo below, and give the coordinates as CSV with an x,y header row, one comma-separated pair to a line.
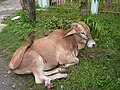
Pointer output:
x,y
93,45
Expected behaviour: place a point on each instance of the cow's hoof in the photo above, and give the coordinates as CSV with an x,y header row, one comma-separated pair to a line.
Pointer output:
x,y
63,70
67,76
49,86
48,83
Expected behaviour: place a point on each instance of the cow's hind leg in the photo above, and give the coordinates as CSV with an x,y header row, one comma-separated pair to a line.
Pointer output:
x,y
37,69
57,70
40,78
58,76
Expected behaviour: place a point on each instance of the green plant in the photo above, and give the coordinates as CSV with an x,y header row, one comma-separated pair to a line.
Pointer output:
x,y
99,0
24,16
99,68
96,27
58,23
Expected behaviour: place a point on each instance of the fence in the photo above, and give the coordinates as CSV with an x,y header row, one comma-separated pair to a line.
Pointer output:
x,y
110,7
82,5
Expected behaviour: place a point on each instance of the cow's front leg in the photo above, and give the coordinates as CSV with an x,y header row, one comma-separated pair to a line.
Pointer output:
x,y
57,70
69,61
58,76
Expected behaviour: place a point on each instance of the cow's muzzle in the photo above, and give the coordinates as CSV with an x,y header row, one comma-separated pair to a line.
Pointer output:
x,y
91,43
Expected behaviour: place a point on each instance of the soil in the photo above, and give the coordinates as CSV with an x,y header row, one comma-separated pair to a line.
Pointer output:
x,y
8,80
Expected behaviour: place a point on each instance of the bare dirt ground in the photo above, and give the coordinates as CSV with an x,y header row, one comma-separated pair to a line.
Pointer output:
x,y
7,8
8,80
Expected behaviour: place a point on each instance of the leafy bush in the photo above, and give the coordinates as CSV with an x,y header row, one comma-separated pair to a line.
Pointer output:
x,y
96,27
99,68
58,23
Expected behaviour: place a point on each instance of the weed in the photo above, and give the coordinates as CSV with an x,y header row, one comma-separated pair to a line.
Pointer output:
x,y
99,68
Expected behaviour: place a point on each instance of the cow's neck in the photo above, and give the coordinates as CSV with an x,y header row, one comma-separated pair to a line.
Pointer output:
x,y
80,42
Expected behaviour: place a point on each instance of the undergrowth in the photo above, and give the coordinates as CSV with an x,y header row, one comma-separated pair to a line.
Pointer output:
x,y
99,68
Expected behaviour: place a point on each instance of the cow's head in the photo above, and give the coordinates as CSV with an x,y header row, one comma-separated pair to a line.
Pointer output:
x,y
83,31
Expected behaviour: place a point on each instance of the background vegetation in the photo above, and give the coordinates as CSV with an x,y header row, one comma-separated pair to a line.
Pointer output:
x,y
99,68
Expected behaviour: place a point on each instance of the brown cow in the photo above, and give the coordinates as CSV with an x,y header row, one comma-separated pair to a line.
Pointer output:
x,y
59,48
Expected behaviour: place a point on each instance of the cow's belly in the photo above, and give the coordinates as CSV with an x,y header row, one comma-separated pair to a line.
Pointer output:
x,y
50,64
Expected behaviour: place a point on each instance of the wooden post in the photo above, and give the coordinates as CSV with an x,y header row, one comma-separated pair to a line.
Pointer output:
x,y
29,5
108,3
31,10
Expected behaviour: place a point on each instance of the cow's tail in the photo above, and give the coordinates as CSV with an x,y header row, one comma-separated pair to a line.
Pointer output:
x,y
19,53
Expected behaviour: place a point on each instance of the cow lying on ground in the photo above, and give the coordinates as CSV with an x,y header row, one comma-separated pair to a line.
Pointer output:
x,y
59,48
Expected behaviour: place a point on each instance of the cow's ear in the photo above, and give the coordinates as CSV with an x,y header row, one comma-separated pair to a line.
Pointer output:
x,y
73,31
75,24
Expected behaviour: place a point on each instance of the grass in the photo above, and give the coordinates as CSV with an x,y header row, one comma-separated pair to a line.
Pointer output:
x,y
99,68
2,0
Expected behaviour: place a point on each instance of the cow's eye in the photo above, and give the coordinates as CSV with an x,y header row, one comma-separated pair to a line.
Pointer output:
x,y
83,33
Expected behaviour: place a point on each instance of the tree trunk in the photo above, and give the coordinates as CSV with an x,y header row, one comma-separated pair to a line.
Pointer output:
x,y
23,4
31,10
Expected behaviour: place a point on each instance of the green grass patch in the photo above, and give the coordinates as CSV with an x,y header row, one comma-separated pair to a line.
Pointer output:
x,y
99,68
